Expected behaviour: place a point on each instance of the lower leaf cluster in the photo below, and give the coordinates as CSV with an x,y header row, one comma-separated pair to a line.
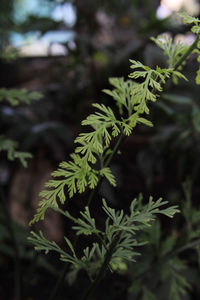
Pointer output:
x,y
118,240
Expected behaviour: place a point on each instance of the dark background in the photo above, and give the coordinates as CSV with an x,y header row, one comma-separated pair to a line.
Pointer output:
x,y
154,161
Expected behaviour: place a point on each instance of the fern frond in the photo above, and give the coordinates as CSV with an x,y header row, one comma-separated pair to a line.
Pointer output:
x,y
188,19
173,50
146,91
16,96
178,283
118,241
106,172
73,176
79,173
42,244
121,93
75,173
10,147
91,143
127,129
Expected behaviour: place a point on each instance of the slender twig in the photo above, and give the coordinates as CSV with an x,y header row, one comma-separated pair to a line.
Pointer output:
x,y
187,53
17,270
116,147
92,193
180,61
190,245
109,159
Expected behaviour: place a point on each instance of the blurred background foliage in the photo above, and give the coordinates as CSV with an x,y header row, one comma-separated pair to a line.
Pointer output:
x,y
66,50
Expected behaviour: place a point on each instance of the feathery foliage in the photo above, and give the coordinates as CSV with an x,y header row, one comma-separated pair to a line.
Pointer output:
x,y
171,50
90,162
162,255
196,30
120,231
80,172
16,97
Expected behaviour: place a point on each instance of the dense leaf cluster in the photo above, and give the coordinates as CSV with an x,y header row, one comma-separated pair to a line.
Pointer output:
x,y
132,100
118,237
90,162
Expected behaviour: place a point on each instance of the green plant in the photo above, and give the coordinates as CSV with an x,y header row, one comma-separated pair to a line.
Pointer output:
x,y
172,273
114,245
16,97
13,237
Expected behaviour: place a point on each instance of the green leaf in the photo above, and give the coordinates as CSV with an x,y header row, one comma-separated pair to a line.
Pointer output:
x,y
42,244
197,79
173,50
19,96
147,89
188,19
10,147
106,172
145,122
196,29
179,75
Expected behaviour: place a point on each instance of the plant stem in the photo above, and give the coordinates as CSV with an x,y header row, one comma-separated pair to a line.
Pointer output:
x,y
187,53
17,271
180,61
186,247
116,147
91,196
103,269
92,193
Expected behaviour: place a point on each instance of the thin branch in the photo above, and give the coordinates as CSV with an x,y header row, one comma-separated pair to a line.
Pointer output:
x,y
109,159
190,245
187,53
